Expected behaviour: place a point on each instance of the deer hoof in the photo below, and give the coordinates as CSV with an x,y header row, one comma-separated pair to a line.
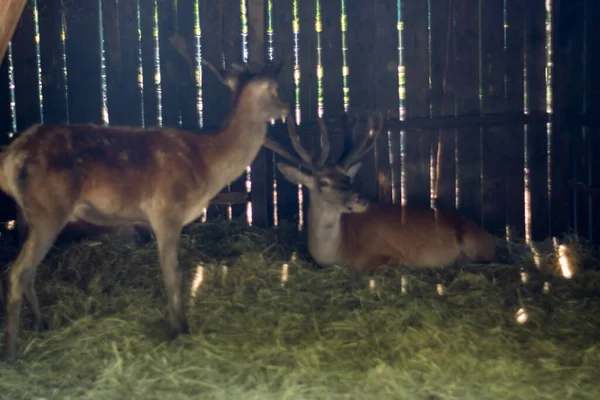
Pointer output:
x,y
11,355
185,329
42,326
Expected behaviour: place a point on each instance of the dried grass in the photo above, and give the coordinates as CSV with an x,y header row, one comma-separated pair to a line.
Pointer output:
x,y
324,335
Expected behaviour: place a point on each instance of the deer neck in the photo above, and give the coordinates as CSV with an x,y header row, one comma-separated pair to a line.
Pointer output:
x,y
324,233
233,149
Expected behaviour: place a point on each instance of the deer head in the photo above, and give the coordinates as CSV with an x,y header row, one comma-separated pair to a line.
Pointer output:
x,y
262,87
330,186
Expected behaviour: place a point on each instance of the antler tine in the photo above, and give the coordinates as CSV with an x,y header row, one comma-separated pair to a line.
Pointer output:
x,y
325,145
278,149
296,143
367,142
214,69
374,129
228,77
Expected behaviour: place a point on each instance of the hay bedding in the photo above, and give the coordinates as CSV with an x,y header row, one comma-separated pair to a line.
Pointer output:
x,y
324,335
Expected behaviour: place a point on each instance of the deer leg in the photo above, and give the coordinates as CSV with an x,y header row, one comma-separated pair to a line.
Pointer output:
x,y
168,248
21,277
21,227
32,299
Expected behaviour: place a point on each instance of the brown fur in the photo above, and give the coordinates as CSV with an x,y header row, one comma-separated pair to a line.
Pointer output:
x,y
345,229
157,178
390,233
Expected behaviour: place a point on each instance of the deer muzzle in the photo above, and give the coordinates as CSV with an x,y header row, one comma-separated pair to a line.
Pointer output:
x,y
357,204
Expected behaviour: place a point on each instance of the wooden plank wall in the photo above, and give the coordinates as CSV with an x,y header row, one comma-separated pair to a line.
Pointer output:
x,y
411,60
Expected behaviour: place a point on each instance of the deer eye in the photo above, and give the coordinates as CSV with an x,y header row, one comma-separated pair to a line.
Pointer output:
x,y
323,184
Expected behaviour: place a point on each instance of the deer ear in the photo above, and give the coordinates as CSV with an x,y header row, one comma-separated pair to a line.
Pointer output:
x,y
231,81
351,172
294,175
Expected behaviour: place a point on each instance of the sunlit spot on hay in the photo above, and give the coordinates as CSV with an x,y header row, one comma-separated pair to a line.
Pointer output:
x,y
198,279
224,270
537,257
404,284
546,288
524,277
372,284
284,274
440,289
521,316
565,264
10,225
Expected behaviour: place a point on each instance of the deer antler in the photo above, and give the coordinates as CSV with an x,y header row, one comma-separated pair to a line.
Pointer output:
x,y
325,145
297,145
367,142
304,160
277,148
229,77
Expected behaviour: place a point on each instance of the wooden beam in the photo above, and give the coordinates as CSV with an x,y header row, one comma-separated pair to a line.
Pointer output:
x,y
583,188
230,198
10,14
310,128
9,211
257,57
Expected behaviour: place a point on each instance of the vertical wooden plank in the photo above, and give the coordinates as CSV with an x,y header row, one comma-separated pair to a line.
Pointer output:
x,y
536,103
593,66
27,94
386,87
121,50
307,60
467,103
257,55
149,94
594,201
129,42
169,61
184,67
386,53
383,167
360,38
51,54
571,26
442,99
287,193
215,96
84,73
5,117
568,100
396,166
560,196
497,141
332,65
515,206
232,52
416,49
331,60
113,66
7,205
307,43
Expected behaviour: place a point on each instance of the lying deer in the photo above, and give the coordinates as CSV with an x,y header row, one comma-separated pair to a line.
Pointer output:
x,y
345,229
159,178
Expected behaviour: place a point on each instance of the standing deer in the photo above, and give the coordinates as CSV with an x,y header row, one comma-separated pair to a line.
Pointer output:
x,y
345,229
158,178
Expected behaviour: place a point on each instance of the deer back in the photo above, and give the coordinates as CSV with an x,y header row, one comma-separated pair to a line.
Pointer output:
x,y
393,234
